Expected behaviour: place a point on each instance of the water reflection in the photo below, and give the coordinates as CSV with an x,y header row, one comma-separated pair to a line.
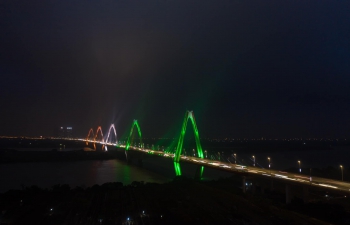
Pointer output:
x,y
80,173
126,173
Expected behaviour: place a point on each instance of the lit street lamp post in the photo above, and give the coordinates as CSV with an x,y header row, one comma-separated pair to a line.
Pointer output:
x,y
254,160
235,158
299,166
342,177
206,154
268,158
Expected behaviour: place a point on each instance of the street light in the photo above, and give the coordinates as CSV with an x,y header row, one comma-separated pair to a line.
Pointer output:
x,y
268,158
342,177
254,160
194,154
299,166
235,158
206,154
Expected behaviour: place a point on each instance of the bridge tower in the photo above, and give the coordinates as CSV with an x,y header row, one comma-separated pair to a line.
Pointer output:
x,y
109,132
91,133
188,115
96,135
135,123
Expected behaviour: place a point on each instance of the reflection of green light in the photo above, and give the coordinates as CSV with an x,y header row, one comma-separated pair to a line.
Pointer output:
x,y
177,168
126,174
202,170
135,123
188,115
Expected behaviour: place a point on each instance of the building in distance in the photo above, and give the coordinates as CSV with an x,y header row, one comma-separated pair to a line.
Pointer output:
x,y
64,132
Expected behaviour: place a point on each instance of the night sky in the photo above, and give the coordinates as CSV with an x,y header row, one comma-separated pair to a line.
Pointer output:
x,y
247,68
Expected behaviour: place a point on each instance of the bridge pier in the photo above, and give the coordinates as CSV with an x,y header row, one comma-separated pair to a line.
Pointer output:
x,y
244,184
128,158
198,174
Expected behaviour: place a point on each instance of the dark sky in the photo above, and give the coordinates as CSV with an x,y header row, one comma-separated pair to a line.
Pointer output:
x,y
248,68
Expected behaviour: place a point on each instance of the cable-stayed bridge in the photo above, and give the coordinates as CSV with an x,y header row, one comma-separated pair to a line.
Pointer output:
x,y
200,158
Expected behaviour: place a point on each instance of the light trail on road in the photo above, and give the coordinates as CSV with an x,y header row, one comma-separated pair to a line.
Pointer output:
x,y
248,170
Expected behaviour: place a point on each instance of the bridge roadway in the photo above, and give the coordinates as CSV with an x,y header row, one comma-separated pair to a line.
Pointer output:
x,y
253,171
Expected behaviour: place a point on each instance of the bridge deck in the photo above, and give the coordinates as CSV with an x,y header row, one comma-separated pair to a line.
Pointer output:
x,y
254,171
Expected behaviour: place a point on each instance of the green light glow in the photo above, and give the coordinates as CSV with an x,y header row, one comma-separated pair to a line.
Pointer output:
x,y
135,123
188,115
202,170
177,168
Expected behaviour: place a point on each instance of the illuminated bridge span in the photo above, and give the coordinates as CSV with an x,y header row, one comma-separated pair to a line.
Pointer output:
x,y
109,132
201,161
90,134
135,123
177,156
95,138
189,115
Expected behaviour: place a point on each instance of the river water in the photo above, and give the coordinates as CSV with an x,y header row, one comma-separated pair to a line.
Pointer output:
x,y
79,173
156,169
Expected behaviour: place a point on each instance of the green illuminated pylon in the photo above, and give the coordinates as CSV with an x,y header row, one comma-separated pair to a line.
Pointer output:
x,y
177,168
188,115
135,123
